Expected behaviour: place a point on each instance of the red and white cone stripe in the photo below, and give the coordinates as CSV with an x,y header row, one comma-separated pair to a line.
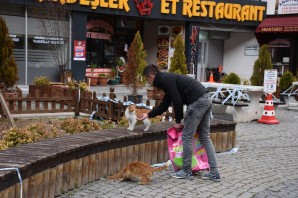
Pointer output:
x,y
268,113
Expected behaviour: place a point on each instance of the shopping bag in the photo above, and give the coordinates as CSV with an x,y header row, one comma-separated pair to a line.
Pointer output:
x,y
175,147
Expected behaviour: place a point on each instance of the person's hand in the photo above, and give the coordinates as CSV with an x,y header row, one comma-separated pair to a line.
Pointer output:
x,y
143,116
178,126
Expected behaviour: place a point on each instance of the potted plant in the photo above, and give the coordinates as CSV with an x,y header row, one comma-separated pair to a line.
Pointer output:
x,y
103,79
41,84
116,79
134,79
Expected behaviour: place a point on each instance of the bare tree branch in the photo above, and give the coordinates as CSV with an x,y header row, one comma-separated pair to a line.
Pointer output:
x,y
54,26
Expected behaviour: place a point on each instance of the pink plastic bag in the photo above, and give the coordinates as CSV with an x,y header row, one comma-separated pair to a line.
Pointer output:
x,y
175,146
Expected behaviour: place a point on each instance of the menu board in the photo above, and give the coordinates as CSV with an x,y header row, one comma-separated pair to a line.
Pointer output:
x,y
165,41
163,47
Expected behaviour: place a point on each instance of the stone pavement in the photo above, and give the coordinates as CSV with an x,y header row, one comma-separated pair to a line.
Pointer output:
x,y
264,166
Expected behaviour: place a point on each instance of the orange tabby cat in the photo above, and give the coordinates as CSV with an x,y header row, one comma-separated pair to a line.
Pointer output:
x,y
138,170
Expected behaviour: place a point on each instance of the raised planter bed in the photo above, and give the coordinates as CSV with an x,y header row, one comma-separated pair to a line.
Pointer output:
x,y
52,167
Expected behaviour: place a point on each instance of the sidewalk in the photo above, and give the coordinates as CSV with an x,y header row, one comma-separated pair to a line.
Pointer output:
x,y
264,166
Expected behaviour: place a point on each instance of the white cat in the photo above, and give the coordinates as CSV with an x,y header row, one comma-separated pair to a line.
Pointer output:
x,y
132,113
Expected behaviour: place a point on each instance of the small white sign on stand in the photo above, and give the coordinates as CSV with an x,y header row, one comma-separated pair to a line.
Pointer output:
x,y
270,78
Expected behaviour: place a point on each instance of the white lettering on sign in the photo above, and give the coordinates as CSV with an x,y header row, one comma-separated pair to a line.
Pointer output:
x,y
48,40
14,38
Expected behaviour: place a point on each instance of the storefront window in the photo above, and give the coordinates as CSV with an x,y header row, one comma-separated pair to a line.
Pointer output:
x,y
40,59
100,41
109,37
280,55
126,29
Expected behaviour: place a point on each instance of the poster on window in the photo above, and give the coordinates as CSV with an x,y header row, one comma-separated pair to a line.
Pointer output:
x,y
79,50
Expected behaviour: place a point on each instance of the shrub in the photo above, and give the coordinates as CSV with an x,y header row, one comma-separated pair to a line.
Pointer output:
x,y
108,124
178,61
261,64
8,66
286,80
37,132
41,81
245,81
83,86
72,126
136,55
14,137
123,122
31,133
232,78
73,85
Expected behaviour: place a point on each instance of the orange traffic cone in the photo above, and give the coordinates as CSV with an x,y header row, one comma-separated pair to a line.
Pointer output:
x,y
268,116
211,79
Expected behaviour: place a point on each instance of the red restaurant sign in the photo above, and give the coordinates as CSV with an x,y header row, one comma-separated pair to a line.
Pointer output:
x,y
79,50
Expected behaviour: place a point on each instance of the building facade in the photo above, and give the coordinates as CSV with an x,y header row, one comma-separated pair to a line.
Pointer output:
x,y
280,32
218,32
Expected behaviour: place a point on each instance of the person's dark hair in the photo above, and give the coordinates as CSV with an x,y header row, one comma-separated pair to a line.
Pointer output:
x,y
150,69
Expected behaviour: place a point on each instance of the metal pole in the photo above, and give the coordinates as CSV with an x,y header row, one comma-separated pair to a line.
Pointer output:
x,y
19,176
26,46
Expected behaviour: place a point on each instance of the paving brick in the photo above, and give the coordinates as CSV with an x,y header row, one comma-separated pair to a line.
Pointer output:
x,y
264,166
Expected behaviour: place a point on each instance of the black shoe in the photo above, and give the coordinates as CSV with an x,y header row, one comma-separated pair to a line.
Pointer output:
x,y
214,177
182,175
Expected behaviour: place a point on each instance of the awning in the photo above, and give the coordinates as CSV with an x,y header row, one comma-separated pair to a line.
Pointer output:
x,y
278,25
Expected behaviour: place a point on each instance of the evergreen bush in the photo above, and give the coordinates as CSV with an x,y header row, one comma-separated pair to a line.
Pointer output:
x,y
178,61
8,66
136,55
232,78
286,80
261,64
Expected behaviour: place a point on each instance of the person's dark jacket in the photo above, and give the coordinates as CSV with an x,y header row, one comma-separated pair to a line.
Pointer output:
x,y
179,89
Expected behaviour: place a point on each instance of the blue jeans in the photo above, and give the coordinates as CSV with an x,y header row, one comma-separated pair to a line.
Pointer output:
x,y
197,118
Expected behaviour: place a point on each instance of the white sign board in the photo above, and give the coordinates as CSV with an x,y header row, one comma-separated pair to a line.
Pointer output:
x,y
270,78
287,7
